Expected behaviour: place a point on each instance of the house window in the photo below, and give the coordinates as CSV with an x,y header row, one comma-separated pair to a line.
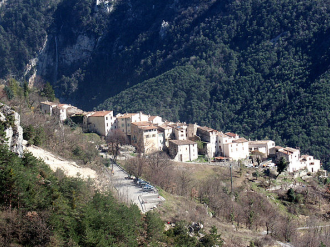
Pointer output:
x,y
153,135
122,125
107,124
147,136
106,118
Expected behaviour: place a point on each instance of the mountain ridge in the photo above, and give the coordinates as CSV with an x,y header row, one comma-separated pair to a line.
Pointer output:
x,y
255,61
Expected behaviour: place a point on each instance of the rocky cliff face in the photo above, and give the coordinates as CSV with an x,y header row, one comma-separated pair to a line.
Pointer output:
x,y
12,129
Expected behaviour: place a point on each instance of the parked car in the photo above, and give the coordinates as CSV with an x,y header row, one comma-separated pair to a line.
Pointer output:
x,y
147,187
143,183
271,165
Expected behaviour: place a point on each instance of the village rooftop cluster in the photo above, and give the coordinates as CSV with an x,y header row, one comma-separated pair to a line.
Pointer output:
x,y
150,134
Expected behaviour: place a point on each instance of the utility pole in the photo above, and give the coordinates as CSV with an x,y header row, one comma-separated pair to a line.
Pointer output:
x,y
231,179
231,194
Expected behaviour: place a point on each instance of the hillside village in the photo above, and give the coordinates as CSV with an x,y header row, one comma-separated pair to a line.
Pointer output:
x,y
183,142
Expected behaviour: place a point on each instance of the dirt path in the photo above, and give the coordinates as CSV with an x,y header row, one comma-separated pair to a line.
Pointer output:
x,y
70,168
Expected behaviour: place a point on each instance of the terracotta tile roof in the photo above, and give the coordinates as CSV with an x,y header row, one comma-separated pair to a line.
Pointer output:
x,y
240,140
259,142
183,142
205,128
48,103
142,123
222,158
63,106
147,127
101,113
231,134
152,118
222,134
127,115
291,150
164,126
288,150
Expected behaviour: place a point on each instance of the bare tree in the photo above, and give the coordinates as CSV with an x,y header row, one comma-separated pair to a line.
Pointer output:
x,y
136,166
115,140
184,181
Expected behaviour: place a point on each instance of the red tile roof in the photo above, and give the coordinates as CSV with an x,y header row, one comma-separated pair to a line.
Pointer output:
x,y
101,113
48,103
147,127
127,115
231,134
142,123
240,140
206,129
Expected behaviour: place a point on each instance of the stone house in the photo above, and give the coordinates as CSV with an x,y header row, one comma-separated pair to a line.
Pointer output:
x,y
180,131
291,155
222,141
297,162
183,150
61,111
101,122
124,121
192,131
167,132
144,136
47,107
209,136
262,146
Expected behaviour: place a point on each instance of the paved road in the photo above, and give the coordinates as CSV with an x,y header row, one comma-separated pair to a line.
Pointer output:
x,y
129,192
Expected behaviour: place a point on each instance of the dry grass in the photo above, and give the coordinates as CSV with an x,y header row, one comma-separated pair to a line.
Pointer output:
x,y
177,208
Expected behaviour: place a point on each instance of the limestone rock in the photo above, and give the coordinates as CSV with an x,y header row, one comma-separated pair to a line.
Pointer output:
x,y
14,132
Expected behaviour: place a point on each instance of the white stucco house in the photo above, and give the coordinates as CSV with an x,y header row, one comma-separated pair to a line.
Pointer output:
x,y
312,165
237,149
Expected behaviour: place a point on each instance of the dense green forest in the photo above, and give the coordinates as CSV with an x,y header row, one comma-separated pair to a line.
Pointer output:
x,y
255,67
41,208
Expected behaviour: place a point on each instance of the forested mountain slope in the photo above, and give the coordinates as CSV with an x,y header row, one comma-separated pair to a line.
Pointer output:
x,y
255,67
259,68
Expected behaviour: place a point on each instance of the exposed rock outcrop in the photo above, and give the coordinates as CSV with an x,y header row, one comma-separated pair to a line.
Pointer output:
x,y
13,131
